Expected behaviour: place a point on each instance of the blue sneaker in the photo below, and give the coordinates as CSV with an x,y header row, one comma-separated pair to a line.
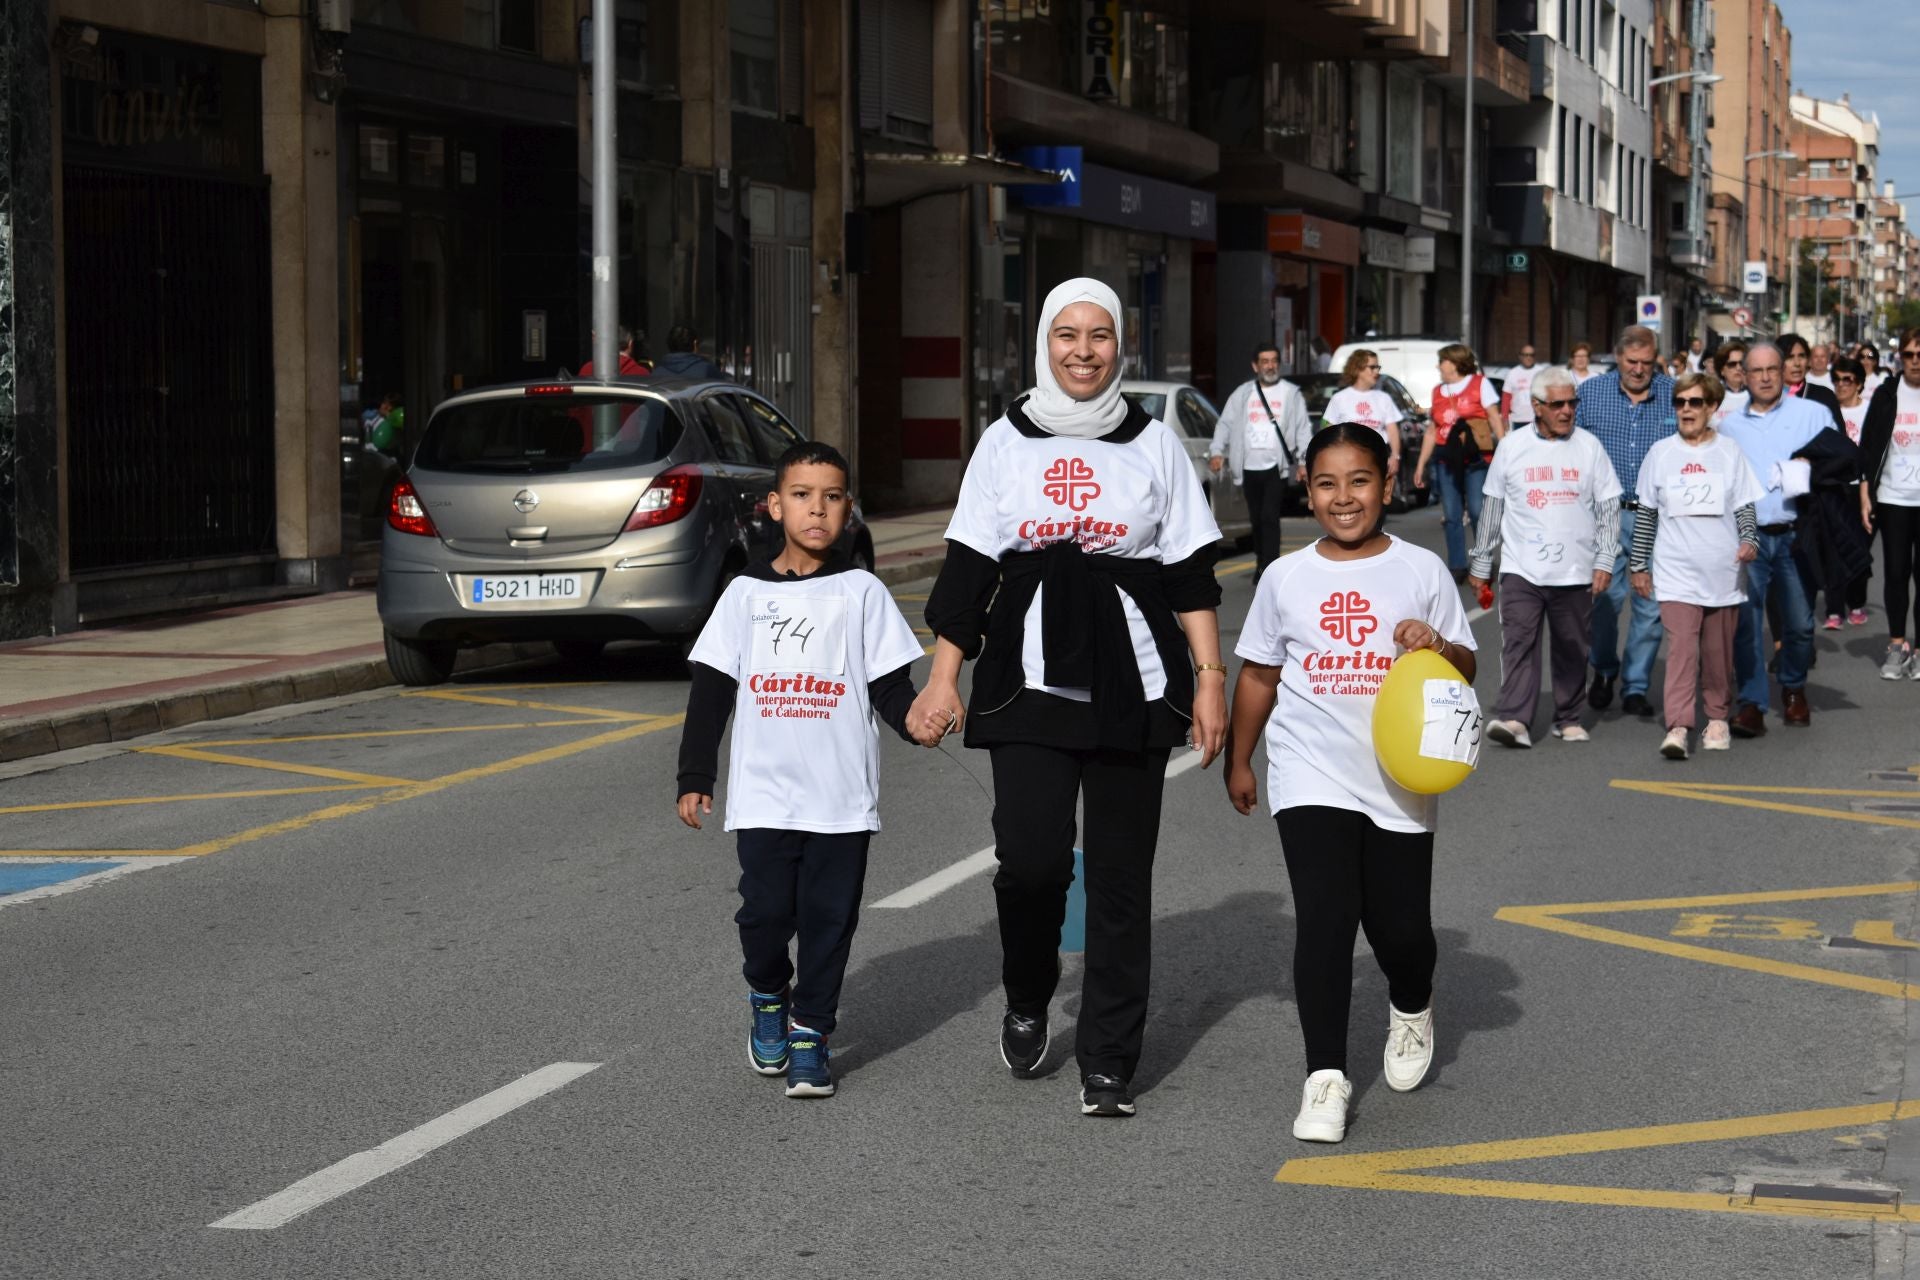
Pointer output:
x,y
808,1075
767,1039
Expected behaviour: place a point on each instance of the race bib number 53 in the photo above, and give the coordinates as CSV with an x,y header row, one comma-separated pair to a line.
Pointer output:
x,y
1453,722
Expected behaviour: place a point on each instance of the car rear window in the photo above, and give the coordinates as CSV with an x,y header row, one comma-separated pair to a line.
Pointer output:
x,y
546,435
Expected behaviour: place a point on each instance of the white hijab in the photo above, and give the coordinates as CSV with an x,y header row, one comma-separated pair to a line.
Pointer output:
x,y
1048,406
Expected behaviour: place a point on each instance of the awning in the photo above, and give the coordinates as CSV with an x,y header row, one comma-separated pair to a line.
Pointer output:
x,y
897,177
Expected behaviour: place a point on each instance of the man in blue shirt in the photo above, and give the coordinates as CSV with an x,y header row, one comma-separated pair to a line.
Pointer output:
x,y
1770,429
1630,410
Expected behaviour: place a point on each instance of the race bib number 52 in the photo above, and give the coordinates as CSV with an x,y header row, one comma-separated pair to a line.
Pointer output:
x,y
1697,493
1453,722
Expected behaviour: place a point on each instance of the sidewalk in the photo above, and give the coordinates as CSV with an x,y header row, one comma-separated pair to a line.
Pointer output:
x,y
121,682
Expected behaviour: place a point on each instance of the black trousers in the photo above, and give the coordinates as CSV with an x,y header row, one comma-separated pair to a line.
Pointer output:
x,y
1264,490
1900,554
1035,789
804,883
1346,874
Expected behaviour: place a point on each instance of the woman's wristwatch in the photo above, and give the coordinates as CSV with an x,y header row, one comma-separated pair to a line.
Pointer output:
x,y
1221,667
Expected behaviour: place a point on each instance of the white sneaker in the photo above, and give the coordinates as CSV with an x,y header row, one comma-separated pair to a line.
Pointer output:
x,y
1571,733
1674,747
1323,1108
1718,737
1409,1048
1509,733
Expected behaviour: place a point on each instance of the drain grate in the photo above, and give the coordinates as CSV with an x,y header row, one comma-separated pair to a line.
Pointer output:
x,y
1869,1197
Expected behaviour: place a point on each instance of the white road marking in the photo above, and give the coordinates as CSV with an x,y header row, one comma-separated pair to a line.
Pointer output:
x,y
978,863
79,882
357,1170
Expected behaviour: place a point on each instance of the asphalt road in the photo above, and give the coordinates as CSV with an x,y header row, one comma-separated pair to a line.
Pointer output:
x,y
354,922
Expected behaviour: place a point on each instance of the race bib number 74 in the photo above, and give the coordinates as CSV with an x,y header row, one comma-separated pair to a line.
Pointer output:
x,y
1451,730
799,633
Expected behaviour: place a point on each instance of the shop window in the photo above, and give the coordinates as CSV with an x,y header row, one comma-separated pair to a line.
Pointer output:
x,y
896,69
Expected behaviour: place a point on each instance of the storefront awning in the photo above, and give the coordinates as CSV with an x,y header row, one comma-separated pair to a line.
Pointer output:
x,y
896,177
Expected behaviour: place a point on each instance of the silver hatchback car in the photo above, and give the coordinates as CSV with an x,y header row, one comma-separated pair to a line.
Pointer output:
x,y
578,513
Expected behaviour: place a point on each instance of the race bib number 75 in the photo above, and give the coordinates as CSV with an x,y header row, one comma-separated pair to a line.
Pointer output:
x,y
1453,722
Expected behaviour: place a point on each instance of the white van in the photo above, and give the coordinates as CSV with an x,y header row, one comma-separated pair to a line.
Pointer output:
x,y
1415,361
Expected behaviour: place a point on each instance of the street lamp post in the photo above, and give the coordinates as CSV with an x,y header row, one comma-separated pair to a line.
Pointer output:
x,y
606,327
1466,198
1746,192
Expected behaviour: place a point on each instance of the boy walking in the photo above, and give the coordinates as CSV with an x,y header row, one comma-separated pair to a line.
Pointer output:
x,y
807,649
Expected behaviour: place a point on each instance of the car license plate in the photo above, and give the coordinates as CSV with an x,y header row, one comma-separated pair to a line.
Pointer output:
x,y
522,590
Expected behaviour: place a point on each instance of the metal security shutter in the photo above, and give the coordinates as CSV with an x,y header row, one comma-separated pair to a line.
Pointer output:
x,y
872,22
907,70
793,60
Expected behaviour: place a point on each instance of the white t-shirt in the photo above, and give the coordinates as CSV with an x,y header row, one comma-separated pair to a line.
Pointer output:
x,y
806,744
1520,390
1873,384
1899,483
1582,378
1329,625
1140,499
1855,418
1548,534
1374,408
1696,489
1263,438
1821,380
1735,402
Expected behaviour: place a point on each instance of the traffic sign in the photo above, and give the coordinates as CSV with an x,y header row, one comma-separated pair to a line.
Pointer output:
x,y
1754,278
1517,263
1649,309
1743,317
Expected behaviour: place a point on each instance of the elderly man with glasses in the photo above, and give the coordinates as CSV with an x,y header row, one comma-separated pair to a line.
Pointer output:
x,y
1771,429
1629,411
1552,511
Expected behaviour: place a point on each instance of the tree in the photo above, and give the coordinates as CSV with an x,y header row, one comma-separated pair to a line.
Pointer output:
x,y
1904,314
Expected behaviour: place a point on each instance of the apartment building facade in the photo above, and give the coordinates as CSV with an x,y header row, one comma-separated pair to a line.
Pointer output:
x,y
1832,222
1683,81
1752,120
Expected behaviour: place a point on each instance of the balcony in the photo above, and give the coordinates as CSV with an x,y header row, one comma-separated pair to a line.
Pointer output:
x,y
1690,253
1500,78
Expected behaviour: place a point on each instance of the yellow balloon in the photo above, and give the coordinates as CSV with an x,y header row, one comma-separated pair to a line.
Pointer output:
x,y
1400,712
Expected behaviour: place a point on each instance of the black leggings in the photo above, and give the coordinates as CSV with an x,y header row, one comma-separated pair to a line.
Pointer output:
x,y
1346,874
1265,490
1900,548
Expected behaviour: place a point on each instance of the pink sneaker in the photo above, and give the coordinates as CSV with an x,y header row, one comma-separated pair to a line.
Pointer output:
x,y
1833,622
1856,617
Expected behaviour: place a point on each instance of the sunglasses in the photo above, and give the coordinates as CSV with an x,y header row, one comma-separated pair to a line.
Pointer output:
x,y
1689,402
1568,403
1371,368
1910,355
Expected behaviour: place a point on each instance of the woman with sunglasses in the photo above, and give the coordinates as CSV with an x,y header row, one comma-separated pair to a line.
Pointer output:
x,y
1890,499
1849,379
1730,363
1696,529
1360,400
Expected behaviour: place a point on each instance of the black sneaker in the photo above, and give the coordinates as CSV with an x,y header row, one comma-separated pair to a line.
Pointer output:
x,y
1023,1042
1105,1096
1636,704
1600,694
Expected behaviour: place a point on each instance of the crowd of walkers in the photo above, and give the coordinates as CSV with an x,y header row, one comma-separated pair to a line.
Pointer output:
x,y
1708,508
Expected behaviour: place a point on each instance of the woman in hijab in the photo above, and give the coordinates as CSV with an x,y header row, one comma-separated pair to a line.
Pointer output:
x,y
1079,572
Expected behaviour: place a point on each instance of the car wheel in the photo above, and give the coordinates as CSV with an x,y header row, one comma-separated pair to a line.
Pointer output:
x,y
420,662
579,650
728,572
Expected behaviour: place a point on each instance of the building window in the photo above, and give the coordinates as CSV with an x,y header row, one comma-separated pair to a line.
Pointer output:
x,y
1433,141
896,69
1366,126
1306,112
513,25
1403,134
645,44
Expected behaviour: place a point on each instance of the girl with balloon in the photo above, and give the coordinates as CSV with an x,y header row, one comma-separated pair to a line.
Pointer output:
x,y
1359,665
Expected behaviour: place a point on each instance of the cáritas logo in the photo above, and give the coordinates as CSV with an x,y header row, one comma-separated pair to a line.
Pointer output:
x,y
1345,616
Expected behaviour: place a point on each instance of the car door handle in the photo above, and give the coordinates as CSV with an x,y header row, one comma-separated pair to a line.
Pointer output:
x,y
527,532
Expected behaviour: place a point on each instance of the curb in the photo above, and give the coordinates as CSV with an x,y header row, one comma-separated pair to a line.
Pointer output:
x,y
135,718
912,566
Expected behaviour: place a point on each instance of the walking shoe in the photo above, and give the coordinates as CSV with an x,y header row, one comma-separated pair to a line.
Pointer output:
x,y
808,1075
1717,737
1832,623
1323,1108
1636,704
1023,1042
1674,747
1409,1048
1795,709
767,1036
1509,733
1856,617
1105,1096
1571,733
1749,722
1899,658
1600,694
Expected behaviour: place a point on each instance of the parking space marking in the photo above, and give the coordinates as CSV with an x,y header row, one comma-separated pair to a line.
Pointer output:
x,y
110,868
1392,1170
124,801
486,700
395,1153
1553,918
1744,797
277,766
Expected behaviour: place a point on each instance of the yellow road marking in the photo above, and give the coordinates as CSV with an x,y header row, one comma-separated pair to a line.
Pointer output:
x,y
122,801
1721,793
1390,1170
276,766
1552,919
430,786
1881,932
483,700
395,733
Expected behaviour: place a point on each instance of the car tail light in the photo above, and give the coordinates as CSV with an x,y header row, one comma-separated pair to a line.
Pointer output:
x,y
551,389
407,513
673,493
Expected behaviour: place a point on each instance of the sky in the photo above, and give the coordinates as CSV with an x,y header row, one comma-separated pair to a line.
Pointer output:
x,y
1865,48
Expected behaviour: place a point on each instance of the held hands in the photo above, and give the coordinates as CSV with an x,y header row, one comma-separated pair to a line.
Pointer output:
x,y
1602,579
1642,583
936,713
692,805
1866,511
1214,463
1242,790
